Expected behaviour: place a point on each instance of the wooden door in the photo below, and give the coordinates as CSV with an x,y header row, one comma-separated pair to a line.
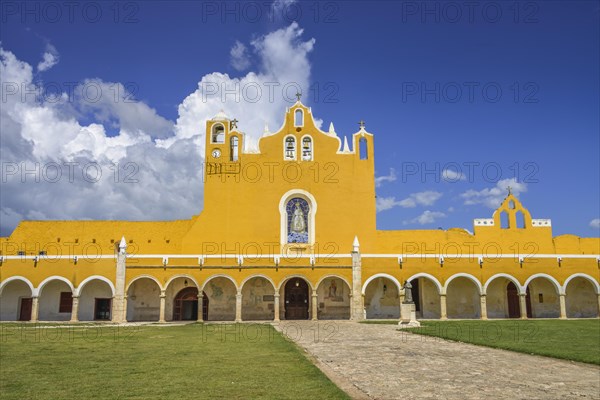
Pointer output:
x,y
25,309
296,299
514,306
102,309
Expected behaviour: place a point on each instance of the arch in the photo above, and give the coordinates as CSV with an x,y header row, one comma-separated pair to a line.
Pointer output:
x,y
363,149
557,285
52,278
146,276
91,278
210,278
258,276
504,220
18,278
307,148
217,134
311,215
380,275
234,148
186,276
463,275
333,276
584,276
288,277
503,275
289,148
430,277
299,117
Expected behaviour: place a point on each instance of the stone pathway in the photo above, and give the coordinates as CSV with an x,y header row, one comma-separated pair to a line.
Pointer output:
x,y
379,362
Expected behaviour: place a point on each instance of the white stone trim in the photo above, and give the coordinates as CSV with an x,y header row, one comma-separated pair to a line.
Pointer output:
x,y
142,277
235,285
283,215
552,279
584,276
312,148
483,222
381,275
55,278
503,275
430,277
295,148
18,278
463,275
545,223
84,282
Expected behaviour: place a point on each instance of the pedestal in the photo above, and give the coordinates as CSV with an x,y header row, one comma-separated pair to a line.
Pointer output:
x,y
408,316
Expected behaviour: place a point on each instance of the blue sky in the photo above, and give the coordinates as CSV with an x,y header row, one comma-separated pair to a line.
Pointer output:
x,y
499,94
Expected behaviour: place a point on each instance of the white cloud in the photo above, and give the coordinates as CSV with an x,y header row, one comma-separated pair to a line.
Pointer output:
x,y
492,197
426,198
449,175
386,178
595,223
165,158
239,56
50,58
428,217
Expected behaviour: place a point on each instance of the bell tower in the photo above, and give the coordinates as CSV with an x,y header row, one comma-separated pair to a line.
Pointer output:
x,y
223,147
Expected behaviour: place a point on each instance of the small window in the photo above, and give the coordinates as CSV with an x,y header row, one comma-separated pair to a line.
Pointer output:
x,y
307,153
290,148
511,204
218,134
299,118
233,151
362,146
520,219
541,298
66,302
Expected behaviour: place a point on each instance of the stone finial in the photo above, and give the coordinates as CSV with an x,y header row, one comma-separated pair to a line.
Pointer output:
x,y
122,245
332,129
266,132
355,244
346,147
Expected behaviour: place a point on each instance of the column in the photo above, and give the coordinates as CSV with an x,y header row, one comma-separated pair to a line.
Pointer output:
x,y
200,306
315,305
119,297
75,309
124,318
598,315
34,309
357,310
276,308
523,305
163,302
483,304
443,313
563,306
238,307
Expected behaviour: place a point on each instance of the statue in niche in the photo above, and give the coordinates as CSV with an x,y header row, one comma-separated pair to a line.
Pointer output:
x,y
298,224
333,294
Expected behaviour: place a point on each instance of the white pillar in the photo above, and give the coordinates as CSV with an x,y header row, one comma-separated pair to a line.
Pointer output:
x,y
200,306
357,305
563,306
118,299
34,309
315,305
443,312
598,315
163,302
75,309
523,305
483,305
124,308
276,308
238,307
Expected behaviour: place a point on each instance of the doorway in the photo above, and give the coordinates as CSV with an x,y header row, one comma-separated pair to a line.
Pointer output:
x,y
25,309
102,309
296,299
185,305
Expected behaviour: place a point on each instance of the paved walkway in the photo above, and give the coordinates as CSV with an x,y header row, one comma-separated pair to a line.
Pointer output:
x,y
379,362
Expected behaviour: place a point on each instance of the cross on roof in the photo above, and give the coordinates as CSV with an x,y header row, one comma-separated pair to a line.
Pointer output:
x,y
509,189
234,123
298,95
361,123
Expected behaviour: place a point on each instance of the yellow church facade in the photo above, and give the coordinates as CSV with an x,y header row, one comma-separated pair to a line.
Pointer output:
x,y
288,231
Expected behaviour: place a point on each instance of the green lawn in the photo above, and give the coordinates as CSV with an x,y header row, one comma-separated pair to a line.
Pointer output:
x,y
577,340
195,361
